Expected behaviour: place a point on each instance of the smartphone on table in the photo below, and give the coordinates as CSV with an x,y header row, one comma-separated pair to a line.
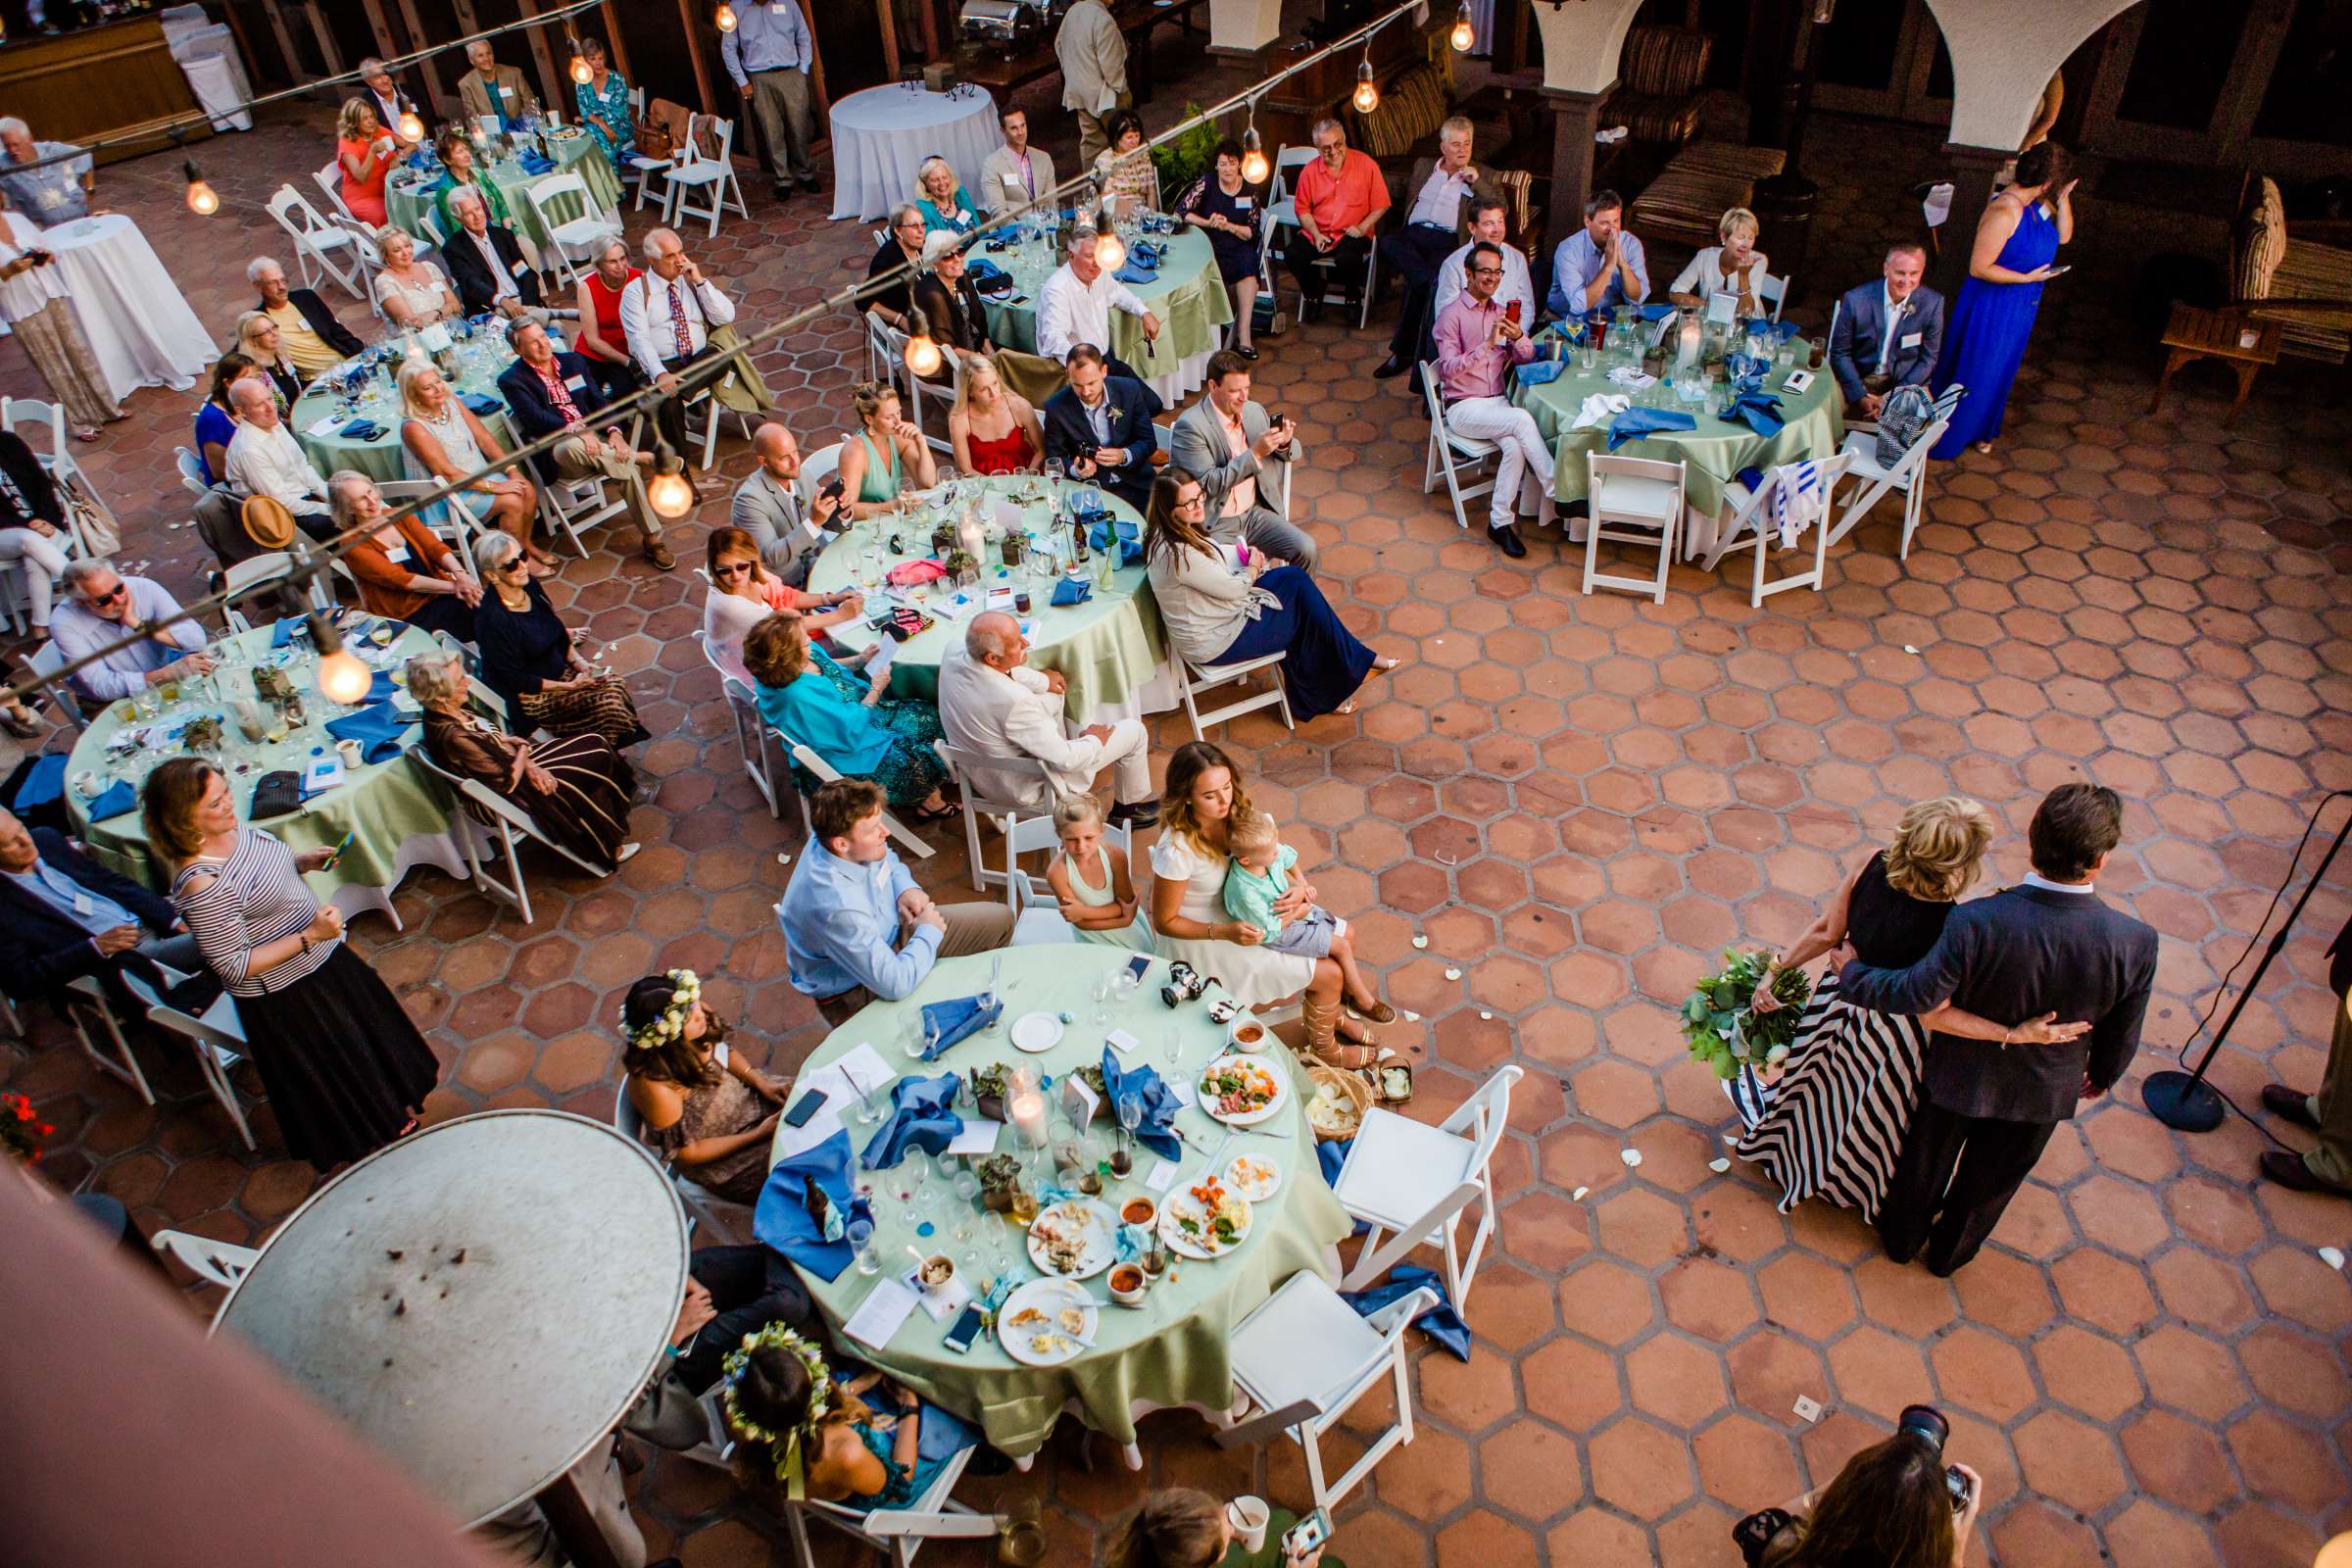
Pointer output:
x,y
807,1106
966,1331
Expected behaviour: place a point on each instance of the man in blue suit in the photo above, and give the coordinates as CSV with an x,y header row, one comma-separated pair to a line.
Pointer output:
x,y
62,917
548,392
1100,427
1887,334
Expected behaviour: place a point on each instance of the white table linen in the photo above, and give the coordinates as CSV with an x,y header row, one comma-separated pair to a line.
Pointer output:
x,y
882,136
138,323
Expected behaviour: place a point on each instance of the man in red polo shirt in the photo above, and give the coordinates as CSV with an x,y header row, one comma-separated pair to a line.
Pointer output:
x,y
1340,198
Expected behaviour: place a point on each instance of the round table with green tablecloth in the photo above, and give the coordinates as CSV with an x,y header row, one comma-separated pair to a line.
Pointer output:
x,y
406,200
1188,295
1112,649
1814,424
322,413
398,815
1174,1348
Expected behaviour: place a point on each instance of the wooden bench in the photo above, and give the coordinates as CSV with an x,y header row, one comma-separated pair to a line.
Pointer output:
x,y
1691,193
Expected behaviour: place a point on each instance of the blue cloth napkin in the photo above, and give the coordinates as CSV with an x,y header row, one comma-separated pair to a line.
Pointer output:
x,y
922,1116
361,431
1656,312
283,633
378,728
1147,253
380,689
1156,1131
1131,538
1778,332
1441,1322
483,404
1332,1156
1069,591
1135,273
44,784
533,163
782,1218
1761,412
1540,372
1750,476
1634,423
958,1018
113,801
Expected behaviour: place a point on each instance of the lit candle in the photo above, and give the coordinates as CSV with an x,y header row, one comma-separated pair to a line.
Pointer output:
x,y
1027,1113
1690,340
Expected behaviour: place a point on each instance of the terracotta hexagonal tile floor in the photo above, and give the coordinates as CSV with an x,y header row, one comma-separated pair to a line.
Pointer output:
x,y
1579,801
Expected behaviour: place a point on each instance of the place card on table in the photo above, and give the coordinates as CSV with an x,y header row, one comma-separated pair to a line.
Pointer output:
x,y
887,1305
1000,599
1163,1176
979,1137
322,429
1125,1043
1079,1099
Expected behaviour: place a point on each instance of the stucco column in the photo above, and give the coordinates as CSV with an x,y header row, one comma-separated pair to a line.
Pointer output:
x,y
1242,26
1973,169
1575,117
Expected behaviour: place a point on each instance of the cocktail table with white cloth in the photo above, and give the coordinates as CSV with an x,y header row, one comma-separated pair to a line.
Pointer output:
x,y
882,136
138,323
1112,649
1187,293
322,413
1174,1348
398,817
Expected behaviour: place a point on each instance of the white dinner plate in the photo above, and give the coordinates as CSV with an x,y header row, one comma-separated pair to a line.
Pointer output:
x,y
1035,1032
1179,1206
1257,1065
1263,1167
1023,1342
1085,1220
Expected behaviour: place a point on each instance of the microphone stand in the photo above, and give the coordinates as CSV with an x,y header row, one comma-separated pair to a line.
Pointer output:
x,y
2183,1100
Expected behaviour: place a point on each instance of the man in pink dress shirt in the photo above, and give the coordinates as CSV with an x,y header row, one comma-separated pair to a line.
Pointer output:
x,y
1478,343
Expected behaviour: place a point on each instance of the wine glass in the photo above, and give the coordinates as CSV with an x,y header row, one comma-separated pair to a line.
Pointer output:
x,y
1131,1114
1102,989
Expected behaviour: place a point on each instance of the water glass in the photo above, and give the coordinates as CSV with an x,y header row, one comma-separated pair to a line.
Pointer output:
x,y
861,1234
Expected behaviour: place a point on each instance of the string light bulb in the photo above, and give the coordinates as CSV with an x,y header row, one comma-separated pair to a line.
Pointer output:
x,y
1110,248
725,16
412,126
1253,157
579,65
341,677
1368,92
203,200
1465,34
922,353
669,491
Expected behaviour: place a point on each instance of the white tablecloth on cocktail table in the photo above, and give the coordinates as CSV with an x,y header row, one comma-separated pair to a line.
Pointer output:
x,y
882,136
139,324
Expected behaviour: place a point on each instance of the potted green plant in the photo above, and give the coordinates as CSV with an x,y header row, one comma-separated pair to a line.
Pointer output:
x,y
989,1085
1000,1177
1186,156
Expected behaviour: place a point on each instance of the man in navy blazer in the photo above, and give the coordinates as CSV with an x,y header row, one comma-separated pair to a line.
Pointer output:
x,y
549,392
1986,1109
1865,354
486,263
62,917
1100,427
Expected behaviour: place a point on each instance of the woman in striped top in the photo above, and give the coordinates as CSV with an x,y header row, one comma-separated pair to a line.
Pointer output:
x,y
345,1069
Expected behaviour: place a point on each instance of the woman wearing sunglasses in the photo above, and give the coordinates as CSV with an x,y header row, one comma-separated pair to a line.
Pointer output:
x,y
744,593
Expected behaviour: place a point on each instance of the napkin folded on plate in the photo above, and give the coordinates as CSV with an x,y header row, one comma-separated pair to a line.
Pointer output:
x,y
1634,423
1069,591
483,404
1133,272
113,801
1156,1131
805,1204
380,688
1599,408
1441,1322
1147,253
958,1018
1540,372
362,430
378,728
533,163
1131,538
922,1115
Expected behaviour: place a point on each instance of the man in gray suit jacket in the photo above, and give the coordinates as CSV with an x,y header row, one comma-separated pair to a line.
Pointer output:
x,y
1243,460
1987,1109
769,506
1867,358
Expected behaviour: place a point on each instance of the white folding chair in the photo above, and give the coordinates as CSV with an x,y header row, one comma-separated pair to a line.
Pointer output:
x,y
192,472
568,506
1635,501
1193,679
818,467
751,731
16,415
243,579
1749,516
507,824
1907,477
319,247
805,756
1410,1182
1774,291
218,1034
1282,212
1305,1356
1450,452
575,239
896,1532
84,1004
455,525
720,1214
714,174
330,181
1037,920
46,661
1008,815
220,1263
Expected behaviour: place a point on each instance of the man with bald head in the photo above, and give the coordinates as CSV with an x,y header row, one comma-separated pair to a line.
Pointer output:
x,y
992,704
791,528
264,459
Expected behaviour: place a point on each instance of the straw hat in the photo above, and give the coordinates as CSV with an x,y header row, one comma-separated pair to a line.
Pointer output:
x,y
268,523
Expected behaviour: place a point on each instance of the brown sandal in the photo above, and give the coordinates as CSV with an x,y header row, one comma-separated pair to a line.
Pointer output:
x,y
1379,1012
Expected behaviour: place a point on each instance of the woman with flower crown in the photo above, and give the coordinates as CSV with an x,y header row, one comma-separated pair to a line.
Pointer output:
x,y
802,1433
711,1115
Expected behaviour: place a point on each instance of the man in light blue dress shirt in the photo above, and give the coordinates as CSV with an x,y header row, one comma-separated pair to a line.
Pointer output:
x,y
855,926
1600,266
769,53
53,193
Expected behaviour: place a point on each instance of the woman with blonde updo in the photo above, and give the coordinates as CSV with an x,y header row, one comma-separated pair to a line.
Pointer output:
x,y
1833,1125
886,458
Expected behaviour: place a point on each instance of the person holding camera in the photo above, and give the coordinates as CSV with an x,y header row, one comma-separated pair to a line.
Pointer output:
x,y
1243,455
1101,426
1896,1504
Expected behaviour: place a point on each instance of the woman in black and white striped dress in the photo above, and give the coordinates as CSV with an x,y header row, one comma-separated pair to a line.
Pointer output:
x,y
345,1069
1834,1124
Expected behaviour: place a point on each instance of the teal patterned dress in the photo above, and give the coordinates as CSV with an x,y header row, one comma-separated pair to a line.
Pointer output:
x,y
889,743
611,104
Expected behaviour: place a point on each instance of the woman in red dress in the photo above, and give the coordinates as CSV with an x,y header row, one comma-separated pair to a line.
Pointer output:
x,y
597,299
993,429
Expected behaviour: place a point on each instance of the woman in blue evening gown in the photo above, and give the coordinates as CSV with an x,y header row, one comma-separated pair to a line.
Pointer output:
x,y
2016,239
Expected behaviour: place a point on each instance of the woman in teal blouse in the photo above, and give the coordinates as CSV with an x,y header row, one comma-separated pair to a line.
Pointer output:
x,y
604,104
944,203
844,717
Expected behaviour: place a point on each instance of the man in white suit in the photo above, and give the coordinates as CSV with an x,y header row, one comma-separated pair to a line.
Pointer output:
x,y
992,704
1243,460
1015,173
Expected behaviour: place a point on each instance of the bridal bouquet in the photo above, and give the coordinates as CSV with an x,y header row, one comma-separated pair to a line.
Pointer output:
x,y
1726,1034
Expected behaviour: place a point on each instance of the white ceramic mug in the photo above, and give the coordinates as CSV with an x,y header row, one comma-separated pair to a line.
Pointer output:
x,y
1132,1294
1248,1516
1249,1034
350,751
86,785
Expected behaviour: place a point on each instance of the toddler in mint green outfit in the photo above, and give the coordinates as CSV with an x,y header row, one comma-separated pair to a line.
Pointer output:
x,y
1260,875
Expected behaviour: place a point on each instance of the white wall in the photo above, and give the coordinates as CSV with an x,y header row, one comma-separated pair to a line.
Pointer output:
x,y
2004,53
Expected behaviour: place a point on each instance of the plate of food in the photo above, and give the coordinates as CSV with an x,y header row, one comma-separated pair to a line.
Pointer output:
x,y
1046,1322
1034,1032
1241,1090
1074,1239
1207,1219
1257,1177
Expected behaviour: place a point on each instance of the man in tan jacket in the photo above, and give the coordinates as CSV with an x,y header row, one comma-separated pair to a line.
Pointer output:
x,y
491,88
1094,72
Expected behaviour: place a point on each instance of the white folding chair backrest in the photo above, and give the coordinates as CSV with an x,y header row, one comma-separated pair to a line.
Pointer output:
x,y
817,467
1035,920
47,660
330,182
1751,515
1947,402
1774,291
192,472
566,210
1411,1183
1006,814
1451,453
1908,475
805,756
220,1263
896,1532
240,578
332,248
509,823
218,1034
716,173
1633,501
455,527
750,733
